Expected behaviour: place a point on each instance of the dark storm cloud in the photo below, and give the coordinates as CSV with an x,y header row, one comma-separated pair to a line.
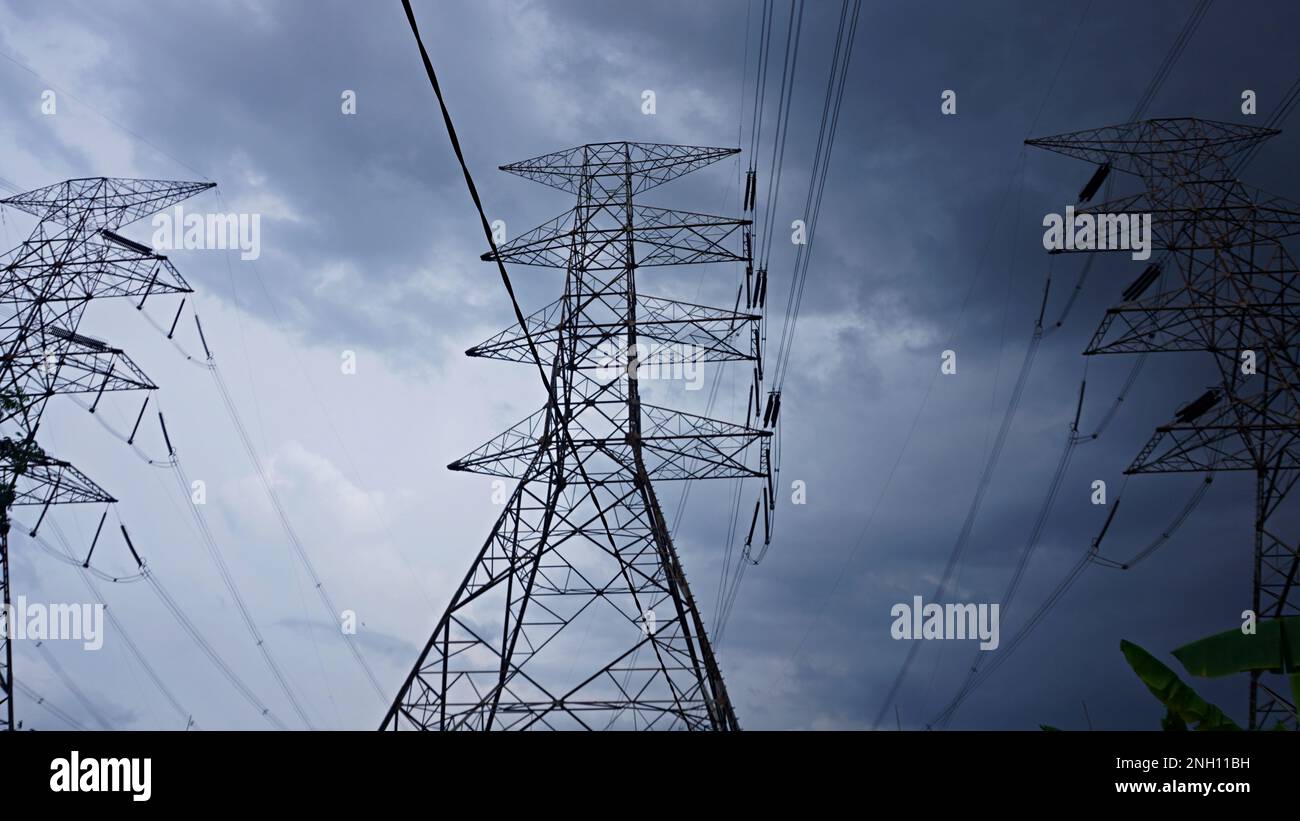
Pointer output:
x,y
928,239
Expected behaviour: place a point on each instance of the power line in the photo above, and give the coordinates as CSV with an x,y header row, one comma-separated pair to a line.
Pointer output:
x,y
49,706
837,76
1013,406
570,501
974,679
102,116
73,256
119,629
241,606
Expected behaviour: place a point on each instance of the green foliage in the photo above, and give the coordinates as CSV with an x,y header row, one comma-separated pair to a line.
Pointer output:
x,y
1173,722
16,456
1274,647
20,453
1185,706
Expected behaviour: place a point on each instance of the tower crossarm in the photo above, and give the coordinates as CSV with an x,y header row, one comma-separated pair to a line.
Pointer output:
x,y
1255,431
670,331
661,237
39,479
609,164
60,265
677,445
67,367
103,202
1180,146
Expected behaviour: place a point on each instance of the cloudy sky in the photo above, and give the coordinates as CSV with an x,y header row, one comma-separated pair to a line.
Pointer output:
x,y
929,239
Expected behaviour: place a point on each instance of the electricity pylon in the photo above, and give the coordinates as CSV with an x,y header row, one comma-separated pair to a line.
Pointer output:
x,y
576,613
1226,284
73,256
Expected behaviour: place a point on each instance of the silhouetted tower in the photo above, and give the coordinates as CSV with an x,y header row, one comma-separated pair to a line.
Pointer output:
x,y
576,613
1223,283
73,256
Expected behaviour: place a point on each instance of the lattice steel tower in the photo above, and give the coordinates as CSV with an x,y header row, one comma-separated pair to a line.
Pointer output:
x,y
73,256
576,613
1226,284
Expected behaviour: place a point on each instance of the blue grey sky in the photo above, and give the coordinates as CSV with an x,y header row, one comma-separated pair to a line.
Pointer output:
x,y
929,239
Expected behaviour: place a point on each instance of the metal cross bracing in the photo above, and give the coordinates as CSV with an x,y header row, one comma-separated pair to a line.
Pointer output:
x,y
576,613
1221,281
73,256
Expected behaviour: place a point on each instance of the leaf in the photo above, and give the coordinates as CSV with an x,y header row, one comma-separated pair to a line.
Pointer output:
x,y
1048,728
1275,646
1172,722
1182,701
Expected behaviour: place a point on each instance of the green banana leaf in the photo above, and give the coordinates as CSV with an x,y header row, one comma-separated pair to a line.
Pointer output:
x,y
1275,647
1181,700
1172,722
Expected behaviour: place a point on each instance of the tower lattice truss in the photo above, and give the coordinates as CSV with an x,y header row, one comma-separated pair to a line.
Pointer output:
x,y
73,256
576,612
1221,281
